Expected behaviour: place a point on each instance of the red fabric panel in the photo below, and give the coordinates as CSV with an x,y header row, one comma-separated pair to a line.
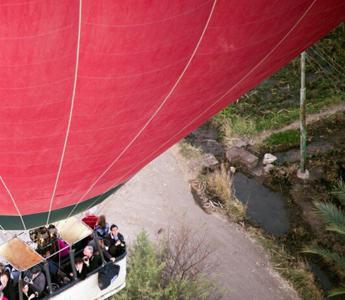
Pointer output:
x,y
90,220
148,73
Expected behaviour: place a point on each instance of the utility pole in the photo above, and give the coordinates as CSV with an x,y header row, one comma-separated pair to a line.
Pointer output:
x,y
303,172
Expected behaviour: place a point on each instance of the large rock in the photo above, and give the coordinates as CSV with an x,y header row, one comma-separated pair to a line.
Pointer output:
x,y
209,161
269,159
212,146
205,138
257,172
241,156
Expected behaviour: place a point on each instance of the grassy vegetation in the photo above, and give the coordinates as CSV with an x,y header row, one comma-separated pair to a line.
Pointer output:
x,y
236,126
219,184
338,191
275,102
288,138
291,268
188,151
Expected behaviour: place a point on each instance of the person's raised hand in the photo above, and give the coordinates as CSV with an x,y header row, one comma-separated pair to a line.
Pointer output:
x,y
32,296
86,260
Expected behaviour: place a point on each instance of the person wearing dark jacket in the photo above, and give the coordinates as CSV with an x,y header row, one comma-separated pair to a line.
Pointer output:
x,y
37,283
115,242
80,268
98,245
91,261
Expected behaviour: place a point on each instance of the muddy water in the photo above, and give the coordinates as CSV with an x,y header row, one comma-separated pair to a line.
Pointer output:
x,y
321,276
264,207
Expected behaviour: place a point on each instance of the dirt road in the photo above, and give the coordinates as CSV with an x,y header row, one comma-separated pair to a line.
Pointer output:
x,y
159,197
311,118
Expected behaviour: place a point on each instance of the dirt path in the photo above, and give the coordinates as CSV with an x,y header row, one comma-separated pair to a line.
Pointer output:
x,y
311,118
158,197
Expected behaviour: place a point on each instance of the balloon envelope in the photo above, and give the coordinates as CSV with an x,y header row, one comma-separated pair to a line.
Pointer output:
x,y
91,91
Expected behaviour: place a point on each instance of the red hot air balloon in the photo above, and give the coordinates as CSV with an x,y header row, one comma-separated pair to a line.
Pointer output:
x,y
91,91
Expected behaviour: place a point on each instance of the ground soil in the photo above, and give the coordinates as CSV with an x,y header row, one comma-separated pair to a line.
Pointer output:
x,y
159,198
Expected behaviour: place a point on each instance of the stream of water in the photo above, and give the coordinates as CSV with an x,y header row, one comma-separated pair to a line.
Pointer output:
x,y
264,207
268,210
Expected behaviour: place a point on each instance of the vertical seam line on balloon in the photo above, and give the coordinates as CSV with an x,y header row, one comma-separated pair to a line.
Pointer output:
x,y
70,114
13,201
156,111
244,77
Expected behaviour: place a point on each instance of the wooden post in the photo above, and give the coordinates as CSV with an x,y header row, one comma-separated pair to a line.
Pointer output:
x,y
302,172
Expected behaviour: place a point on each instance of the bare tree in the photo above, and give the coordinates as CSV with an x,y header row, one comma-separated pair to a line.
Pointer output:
x,y
186,254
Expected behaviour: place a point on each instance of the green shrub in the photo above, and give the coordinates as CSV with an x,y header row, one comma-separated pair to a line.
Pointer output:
x,y
144,272
288,138
171,270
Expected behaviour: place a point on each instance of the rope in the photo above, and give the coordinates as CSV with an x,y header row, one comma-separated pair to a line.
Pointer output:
x,y
340,72
331,61
154,114
70,116
228,91
211,106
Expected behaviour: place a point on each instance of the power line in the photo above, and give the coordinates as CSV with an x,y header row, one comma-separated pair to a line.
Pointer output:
x,y
331,61
330,64
329,76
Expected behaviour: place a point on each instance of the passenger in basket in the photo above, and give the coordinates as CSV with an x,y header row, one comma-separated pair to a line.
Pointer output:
x,y
91,261
97,244
102,227
6,286
81,268
35,284
58,244
27,294
115,242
